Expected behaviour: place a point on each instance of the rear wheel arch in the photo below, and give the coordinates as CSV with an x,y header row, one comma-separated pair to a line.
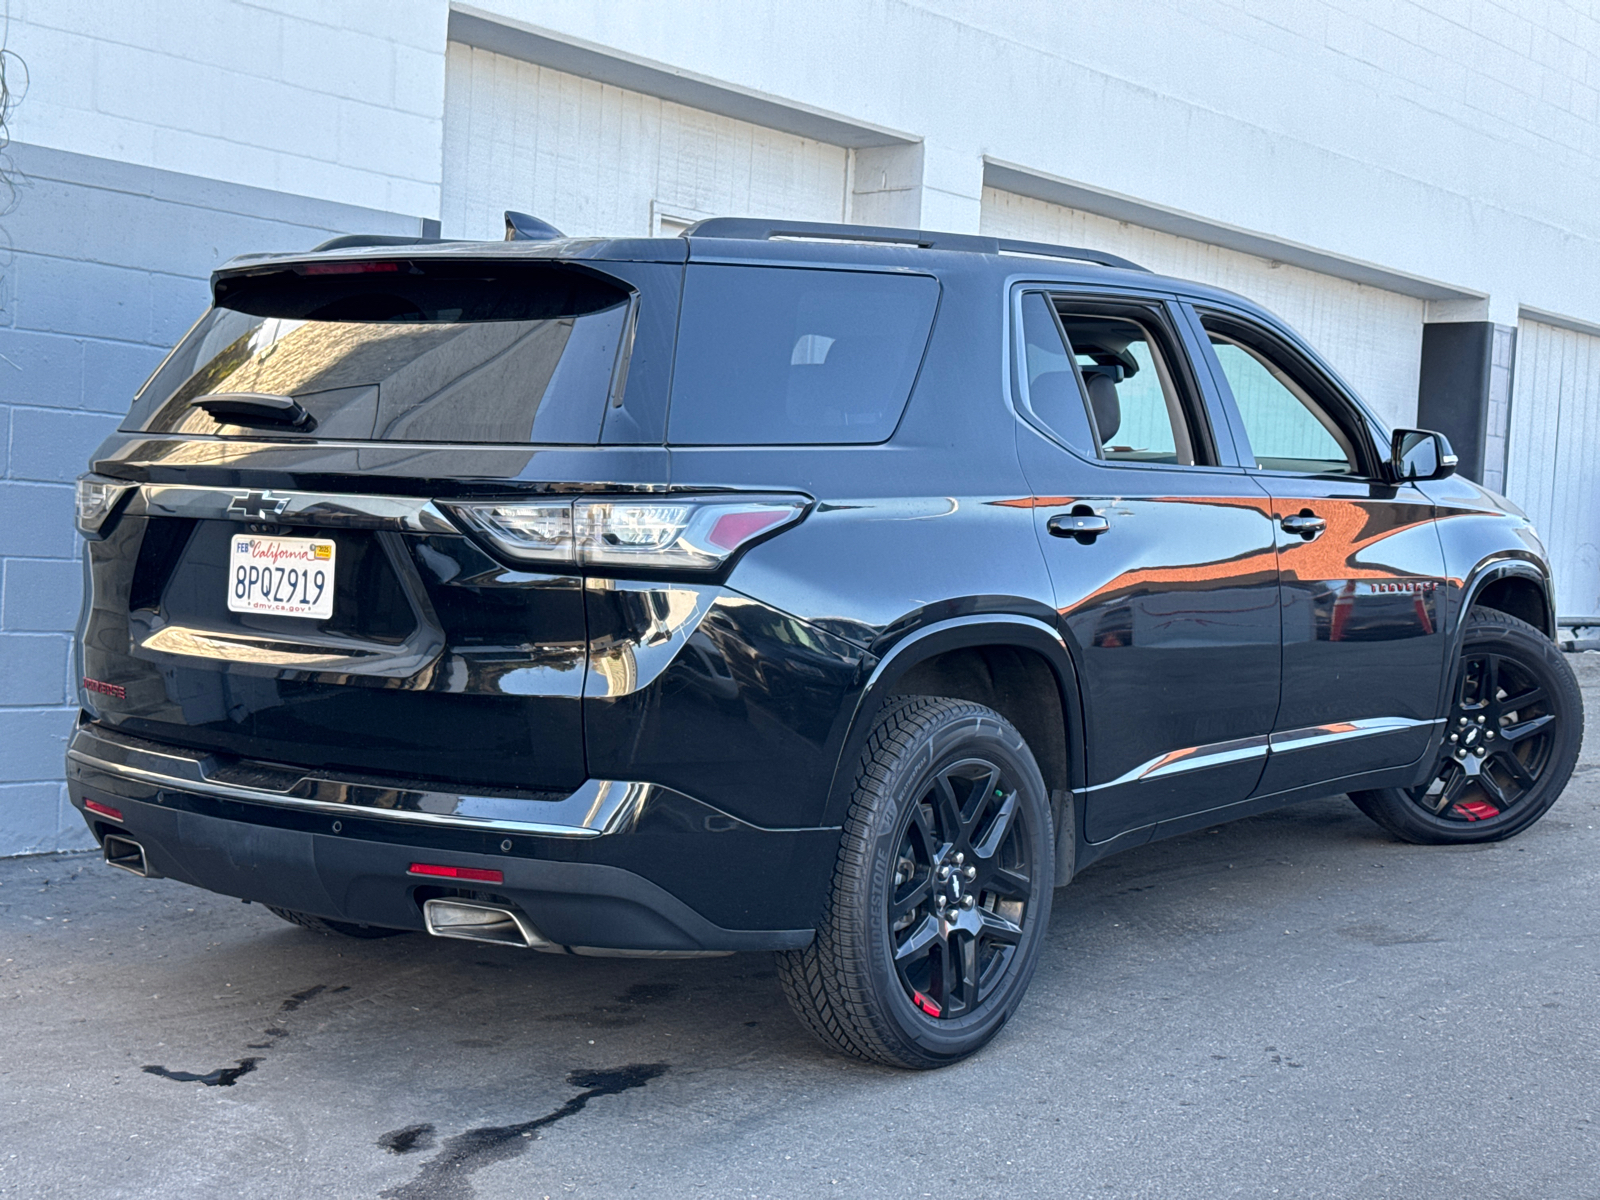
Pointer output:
x,y
1017,666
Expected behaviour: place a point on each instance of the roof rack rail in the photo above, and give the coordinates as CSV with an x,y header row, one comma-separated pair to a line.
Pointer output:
x,y
757,230
349,240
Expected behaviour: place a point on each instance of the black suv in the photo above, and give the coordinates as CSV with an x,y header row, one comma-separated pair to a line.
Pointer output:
x,y
819,589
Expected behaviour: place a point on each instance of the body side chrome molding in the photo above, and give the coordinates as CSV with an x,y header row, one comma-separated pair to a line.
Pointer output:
x,y
1217,754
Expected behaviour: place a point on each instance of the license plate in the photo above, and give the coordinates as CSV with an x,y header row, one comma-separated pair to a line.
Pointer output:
x,y
288,577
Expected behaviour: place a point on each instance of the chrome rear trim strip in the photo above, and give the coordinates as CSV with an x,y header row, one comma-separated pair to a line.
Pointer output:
x,y
597,808
326,510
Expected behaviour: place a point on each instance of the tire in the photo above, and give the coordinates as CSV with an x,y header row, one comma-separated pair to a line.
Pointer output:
x,y
904,826
1516,711
328,925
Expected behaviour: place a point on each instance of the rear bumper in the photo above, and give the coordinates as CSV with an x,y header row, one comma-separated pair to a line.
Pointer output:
x,y
612,866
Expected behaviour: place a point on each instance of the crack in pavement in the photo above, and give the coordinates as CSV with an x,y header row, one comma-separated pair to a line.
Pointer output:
x,y
447,1176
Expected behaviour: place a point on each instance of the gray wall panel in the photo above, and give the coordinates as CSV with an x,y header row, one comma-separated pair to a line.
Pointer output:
x,y
103,265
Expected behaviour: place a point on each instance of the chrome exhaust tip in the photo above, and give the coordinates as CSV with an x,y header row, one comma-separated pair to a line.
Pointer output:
x,y
478,922
126,854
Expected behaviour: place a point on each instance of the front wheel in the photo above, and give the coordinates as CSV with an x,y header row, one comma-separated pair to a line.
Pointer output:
x,y
941,893
1512,737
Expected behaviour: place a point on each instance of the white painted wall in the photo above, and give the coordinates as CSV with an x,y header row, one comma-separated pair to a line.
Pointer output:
x,y
1371,336
340,100
595,159
1554,467
1449,139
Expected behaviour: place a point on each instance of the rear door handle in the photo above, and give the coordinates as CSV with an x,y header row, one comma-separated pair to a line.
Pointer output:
x,y
1306,524
1083,526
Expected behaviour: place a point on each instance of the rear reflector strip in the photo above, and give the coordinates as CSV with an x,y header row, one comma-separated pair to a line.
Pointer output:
x,y
105,810
476,874
350,268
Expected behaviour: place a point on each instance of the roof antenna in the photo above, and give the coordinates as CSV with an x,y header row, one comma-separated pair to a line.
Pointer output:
x,y
520,227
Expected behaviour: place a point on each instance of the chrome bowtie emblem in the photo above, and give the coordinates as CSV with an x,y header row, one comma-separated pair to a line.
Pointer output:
x,y
257,505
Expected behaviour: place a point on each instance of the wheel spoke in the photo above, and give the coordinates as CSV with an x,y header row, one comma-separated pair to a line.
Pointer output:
x,y
917,942
1491,679
1493,790
908,903
948,807
931,842
996,928
1514,703
1513,765
965,953
1523,729
978,801
1007,884
1451,792
998,828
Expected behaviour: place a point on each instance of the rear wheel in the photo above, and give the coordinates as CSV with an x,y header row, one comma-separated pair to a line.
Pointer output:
x,y
941,893
1515,727
327,925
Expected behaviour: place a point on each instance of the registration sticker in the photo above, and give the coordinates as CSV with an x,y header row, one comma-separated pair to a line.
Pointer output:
x,y
287,577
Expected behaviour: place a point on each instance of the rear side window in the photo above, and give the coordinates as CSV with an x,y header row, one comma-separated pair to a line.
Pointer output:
x,y
395,351
789,356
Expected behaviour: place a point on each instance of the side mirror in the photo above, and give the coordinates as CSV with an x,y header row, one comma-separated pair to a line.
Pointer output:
x,y
1421,454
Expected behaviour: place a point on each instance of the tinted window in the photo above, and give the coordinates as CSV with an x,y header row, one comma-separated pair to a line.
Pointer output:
x,y
1054,393
1288,430
776,356
1133,396
459,353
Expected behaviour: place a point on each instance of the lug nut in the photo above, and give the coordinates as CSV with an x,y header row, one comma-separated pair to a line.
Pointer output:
x,y
966,901
1461,753
1480,720
1488,735
1455,737
970,873
944,872
960,858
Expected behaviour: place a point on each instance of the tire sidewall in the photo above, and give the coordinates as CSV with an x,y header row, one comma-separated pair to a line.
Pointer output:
x,y
970,735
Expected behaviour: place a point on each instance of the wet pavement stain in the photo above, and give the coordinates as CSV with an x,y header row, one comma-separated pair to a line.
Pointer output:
x,y
221,1077
404,1141
228,1076
447,1176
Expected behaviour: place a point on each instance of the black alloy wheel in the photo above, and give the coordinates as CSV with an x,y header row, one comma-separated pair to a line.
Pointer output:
x,y
1511,740
962,883
941,894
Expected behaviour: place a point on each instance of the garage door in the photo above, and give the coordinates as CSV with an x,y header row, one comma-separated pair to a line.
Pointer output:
x,y
1553,464
595,159
1371,336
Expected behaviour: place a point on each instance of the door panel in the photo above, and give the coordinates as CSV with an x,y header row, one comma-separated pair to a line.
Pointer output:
x,y
1359,561
1363,640
1172,616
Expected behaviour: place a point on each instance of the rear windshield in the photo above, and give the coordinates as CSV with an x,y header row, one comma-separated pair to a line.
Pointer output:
x,y
788,356
390,351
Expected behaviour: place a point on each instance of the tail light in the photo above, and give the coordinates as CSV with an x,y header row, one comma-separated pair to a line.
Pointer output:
x,y
97,499
684,533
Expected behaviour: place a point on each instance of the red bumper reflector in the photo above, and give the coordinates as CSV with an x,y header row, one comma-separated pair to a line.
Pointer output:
x,y
476,874
105,810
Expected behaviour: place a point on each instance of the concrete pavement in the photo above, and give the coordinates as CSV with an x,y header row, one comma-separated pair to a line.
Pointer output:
x,y
1291,1005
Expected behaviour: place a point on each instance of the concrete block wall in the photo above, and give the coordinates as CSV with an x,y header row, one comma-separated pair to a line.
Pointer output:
x,y
104,267
341,100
